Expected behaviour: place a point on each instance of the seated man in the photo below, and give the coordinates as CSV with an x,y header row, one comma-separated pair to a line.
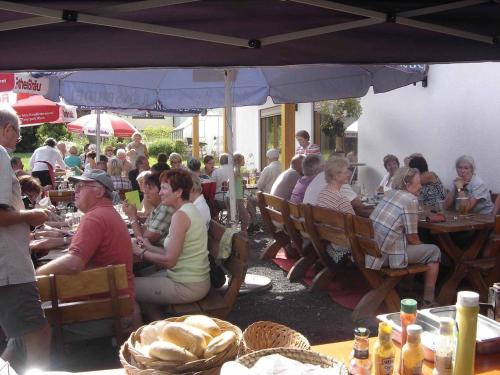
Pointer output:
x,y
271,172
102,237
221,177
311,166
284,184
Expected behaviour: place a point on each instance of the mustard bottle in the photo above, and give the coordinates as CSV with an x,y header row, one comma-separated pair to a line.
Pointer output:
x,y
383,351
467,310
413,352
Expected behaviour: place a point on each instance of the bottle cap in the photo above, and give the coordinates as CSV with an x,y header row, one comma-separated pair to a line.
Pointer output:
x,y
408,305
446,326
468,299
384,328
414,329
362,332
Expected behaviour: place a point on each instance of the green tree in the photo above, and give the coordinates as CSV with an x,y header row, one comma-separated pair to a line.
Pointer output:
x,y
335,115
57,131
29,141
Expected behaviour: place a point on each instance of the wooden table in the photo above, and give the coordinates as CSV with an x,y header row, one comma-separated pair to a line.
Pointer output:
x,y
488,365
465,263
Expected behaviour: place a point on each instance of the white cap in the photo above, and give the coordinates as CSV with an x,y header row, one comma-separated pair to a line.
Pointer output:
x,y
468,299
414,329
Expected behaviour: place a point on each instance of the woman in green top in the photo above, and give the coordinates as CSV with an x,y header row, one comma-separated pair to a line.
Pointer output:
x,y
184,256
246,213
73,161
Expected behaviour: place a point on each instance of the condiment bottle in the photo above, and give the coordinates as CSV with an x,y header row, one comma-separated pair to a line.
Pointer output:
x,y
445,345
360,360
408,315
384,351
467,310
413,352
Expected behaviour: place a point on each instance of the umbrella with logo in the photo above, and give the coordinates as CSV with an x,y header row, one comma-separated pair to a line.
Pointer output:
x,y
35,109
110,125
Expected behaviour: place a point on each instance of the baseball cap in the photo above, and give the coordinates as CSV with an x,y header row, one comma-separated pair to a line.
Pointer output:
x,y
95,175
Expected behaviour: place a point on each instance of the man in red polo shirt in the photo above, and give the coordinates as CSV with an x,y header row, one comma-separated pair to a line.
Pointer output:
x,y
102,237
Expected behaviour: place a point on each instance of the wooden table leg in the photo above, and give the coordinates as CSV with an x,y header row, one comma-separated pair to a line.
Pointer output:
x,y
450,287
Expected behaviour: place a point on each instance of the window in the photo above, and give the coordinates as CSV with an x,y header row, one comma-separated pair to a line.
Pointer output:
x,y
270,132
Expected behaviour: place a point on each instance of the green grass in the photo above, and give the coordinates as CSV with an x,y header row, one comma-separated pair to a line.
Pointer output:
x,y
25,157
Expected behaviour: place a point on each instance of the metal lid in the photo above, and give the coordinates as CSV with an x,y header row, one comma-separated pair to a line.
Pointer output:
x,y
361,332
408,305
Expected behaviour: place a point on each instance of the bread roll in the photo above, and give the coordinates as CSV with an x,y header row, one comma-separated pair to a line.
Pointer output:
x,y
167,351
185,336
219,343
204,323
149,334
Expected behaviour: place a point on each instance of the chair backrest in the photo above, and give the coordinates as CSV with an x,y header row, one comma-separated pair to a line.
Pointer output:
x,y
295,224
272,209
89,295
363,239
237,263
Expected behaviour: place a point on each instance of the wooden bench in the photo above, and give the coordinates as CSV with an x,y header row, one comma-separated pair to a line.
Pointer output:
x,y
106,282
324,227
219,303
382,281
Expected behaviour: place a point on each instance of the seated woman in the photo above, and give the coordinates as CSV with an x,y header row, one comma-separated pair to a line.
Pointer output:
x,y
147,207
157,224
432,187
115,171
209,163
395,221
73,161
469,185
194,166
175,161
391,165
336,174
184,256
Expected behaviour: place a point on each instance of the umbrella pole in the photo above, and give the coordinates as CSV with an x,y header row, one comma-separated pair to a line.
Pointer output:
x,y
98,135
228,99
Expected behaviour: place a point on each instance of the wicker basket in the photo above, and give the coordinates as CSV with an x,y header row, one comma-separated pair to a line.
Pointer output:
x,y
304,356
265,335
135,362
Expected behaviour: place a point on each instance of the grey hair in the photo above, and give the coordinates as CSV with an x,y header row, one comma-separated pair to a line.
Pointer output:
x,y
196,184
296,161
402,177
121,151
333,167
467,159
312,164
143,174
114,167
7,117
174,155
224,159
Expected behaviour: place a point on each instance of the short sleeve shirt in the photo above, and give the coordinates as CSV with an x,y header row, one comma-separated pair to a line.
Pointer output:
x,y
394,217
334,200
476,188
309,150
16,266
158,221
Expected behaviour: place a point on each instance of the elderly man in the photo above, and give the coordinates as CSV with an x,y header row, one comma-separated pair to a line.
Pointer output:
x,y
311,166
270,173
102,237
21,316
221,177
319,183
284,184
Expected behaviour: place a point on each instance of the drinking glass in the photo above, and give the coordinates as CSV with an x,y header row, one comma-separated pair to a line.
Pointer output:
x,y
462,205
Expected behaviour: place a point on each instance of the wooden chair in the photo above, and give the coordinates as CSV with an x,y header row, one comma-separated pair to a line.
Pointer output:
x,y
220,303
382,281
273,210
296,228
95,296
325,226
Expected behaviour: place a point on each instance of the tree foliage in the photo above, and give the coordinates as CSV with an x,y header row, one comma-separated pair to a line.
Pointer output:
x,y
57,131
336,112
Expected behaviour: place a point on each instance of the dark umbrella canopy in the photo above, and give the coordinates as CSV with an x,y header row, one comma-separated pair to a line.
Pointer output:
x,y
117,34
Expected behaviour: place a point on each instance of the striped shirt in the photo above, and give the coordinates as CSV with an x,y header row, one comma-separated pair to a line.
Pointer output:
x,y
310,149
335,201
394,217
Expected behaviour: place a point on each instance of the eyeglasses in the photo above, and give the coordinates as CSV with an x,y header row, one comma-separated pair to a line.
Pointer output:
x,y
464,168
79,186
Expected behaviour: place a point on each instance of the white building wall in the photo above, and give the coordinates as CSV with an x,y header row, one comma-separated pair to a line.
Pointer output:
x,y
458,113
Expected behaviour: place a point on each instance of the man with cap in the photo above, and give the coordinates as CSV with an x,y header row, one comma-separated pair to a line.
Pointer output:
x,y
270,173
102,237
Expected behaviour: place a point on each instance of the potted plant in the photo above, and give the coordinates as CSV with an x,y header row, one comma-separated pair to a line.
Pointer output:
x,y
335,114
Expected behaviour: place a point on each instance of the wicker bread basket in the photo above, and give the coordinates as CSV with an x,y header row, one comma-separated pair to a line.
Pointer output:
x,y
136,363
265,335
304,356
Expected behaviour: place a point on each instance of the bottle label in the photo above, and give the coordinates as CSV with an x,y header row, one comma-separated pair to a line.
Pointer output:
x,y
415,370
443,365
360,354
385,366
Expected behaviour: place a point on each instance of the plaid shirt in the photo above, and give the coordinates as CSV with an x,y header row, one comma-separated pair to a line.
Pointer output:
x,y
158,221
393,218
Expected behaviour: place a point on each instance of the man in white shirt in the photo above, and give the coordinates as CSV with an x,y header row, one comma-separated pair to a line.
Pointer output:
x,y
43,162
270,173
284,184
221,177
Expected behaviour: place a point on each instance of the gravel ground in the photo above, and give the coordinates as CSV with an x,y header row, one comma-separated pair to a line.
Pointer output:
x,y
314,315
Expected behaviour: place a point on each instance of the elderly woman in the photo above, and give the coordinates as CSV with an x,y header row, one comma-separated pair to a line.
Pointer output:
x,y
175,161
157,224
140,148
432,187
126,166
395,221
73,161
116,173
470,186
209,163
184,255
391,165
194,166
311,166
199,201
305,147
336,174
109,151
